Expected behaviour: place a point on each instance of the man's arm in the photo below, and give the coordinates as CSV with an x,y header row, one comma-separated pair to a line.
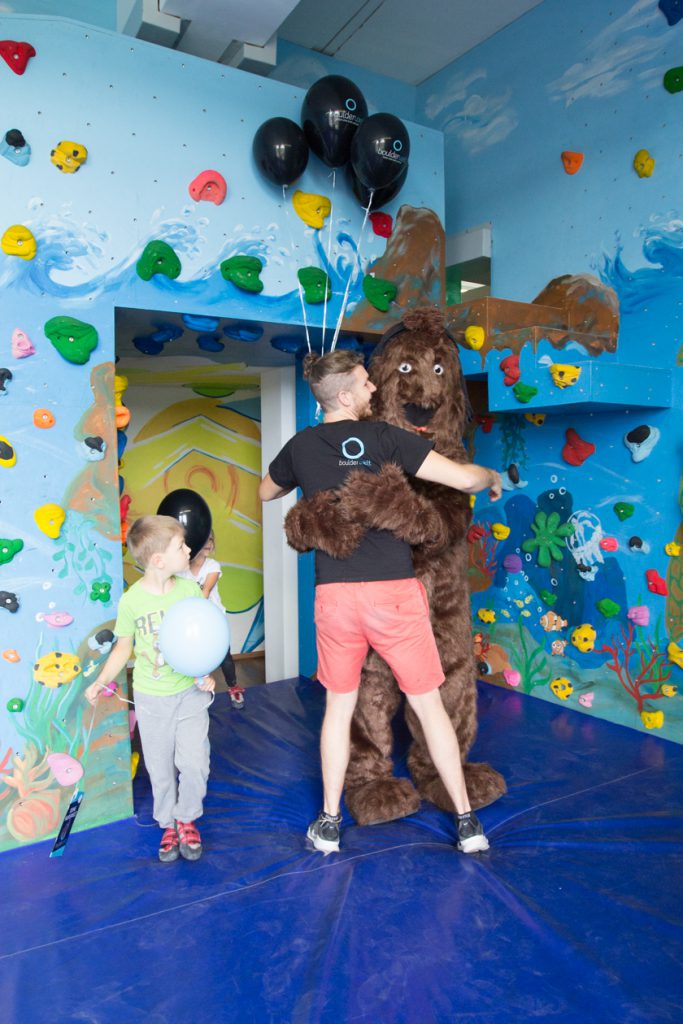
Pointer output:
x,y
461,476
268,489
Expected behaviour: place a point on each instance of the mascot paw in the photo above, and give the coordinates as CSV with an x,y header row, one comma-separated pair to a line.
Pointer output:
x,y
320,522
387,501
382,800
484,785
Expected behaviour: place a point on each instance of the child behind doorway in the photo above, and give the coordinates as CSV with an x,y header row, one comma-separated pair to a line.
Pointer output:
x,y
206,571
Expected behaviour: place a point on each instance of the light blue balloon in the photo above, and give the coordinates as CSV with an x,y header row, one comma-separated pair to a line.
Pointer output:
x,y
194,636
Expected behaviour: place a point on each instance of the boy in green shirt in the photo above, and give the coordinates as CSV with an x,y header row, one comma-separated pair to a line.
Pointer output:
x,y
172,711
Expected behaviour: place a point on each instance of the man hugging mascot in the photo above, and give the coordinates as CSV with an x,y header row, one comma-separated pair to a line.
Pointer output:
x,y
420,387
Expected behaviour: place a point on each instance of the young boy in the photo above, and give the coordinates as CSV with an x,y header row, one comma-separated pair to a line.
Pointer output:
x,y
172,711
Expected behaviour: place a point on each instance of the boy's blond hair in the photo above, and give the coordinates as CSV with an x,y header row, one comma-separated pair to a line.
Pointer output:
x,y
329,374
151,535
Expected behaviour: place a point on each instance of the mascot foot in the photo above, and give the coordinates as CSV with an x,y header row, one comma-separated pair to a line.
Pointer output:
x,y
382,800
484,785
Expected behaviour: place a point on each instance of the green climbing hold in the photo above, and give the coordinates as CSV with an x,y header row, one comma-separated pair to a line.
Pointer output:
x,y
8,549
623,510
378,292
524,392
243,272
15,704
548,597
315,283
673,80
549,538
608,607
158,258
73,339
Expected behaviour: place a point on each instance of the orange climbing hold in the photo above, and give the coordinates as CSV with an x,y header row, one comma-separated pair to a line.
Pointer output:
x,y
571,162
44,419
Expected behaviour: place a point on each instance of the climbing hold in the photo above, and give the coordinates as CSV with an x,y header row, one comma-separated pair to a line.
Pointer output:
x,y
636,543
102,641
68,157
8,456
94,448
56,669
50,519
9,548
673,549
586,700
121,417
208,187
549,538
655,583
293,344
15,148
609,544
19,241
158,258
134,762
15,704
11,655
512,563
16,55
564,375
562,687
607,607
623,510
643,164
475,337
576,450
99,591
486,423
382,224
500,531
120,385
73,339
672,10
640,441
378,292
55,619
22,346
571,161
243,332
583,637
210,343
524,392
312,208
510,367
537,418
652,719
9,601
196,322
548,597
675,653
65,768
243,272
316,284
673,80
147,346
512,677
5,378
639,614
43,418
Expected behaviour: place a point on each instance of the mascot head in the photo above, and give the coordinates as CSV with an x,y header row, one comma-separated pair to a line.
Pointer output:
x,y
419,381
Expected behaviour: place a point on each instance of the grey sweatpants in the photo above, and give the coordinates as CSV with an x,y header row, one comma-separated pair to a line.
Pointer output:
x,y
174,733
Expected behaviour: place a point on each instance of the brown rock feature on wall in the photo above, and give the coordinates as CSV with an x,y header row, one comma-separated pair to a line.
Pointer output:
x,y
414,260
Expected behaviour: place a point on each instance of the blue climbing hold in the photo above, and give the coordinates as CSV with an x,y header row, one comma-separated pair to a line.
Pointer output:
x,y
672,10
210,343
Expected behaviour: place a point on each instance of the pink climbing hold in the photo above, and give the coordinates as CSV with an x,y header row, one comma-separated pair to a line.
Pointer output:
x,y
66,769
22,345
512,677
639,614
609,544
208,187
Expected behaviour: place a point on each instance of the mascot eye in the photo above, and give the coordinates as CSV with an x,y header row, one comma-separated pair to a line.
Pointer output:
x,y
438,369
405,368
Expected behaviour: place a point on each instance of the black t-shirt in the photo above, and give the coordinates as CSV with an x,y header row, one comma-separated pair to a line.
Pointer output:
x,y
319,458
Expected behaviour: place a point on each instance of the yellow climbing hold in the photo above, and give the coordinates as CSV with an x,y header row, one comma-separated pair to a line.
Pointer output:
x,y
56,669
475,337
672,548
643,165
675,653
652,719
68,157
50,519
120,385
19,241
312,208
500,531
134,762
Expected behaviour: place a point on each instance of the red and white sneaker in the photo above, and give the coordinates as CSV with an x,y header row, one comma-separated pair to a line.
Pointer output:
x,y
169,849
189,839
236,696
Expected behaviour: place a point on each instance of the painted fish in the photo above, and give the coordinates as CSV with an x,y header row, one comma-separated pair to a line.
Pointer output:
x,y
673,549
558,646
552,622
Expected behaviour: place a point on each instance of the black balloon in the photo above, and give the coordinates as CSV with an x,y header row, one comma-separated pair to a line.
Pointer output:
x,y
380,150
380,196
332,110
192,512
280,150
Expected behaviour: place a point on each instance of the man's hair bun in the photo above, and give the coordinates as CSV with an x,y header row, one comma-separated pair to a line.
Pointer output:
x,y
309,362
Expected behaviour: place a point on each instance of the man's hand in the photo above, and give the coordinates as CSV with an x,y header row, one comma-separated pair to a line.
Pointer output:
x,y
496,488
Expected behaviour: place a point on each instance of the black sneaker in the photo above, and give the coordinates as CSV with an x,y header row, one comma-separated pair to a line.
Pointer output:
x,y
471,838
324,832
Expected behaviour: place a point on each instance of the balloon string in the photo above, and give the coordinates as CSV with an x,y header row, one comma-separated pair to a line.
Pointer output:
x,y
329,249
353,270
296,264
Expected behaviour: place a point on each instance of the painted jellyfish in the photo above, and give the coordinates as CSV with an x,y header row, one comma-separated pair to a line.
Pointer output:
x,y
584,543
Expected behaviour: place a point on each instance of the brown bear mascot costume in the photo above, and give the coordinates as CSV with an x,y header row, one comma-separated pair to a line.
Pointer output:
x,y
420,387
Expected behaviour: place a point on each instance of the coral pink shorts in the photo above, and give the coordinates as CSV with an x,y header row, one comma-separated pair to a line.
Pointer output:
x,y
392,616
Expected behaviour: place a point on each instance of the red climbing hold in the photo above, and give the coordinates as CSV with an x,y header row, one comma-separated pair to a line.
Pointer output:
x,y
576,451
208,187
486,423
16,55
655,583
382,224
510,367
